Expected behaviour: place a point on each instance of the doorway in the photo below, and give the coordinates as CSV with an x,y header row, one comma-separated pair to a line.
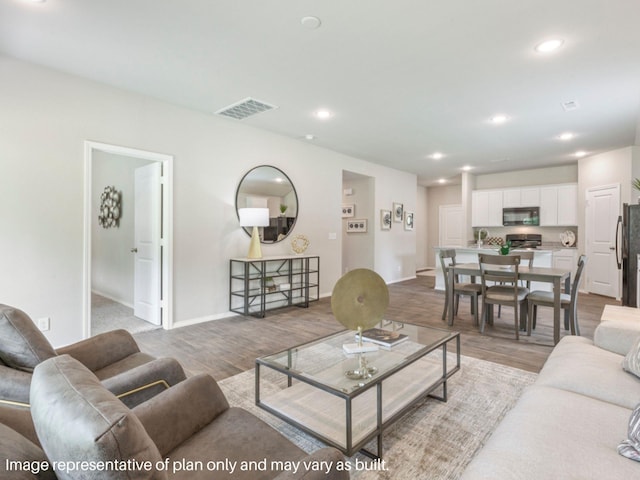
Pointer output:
x,y
123,242
451,225
603,208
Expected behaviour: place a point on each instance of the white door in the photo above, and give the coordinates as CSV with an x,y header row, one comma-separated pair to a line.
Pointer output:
x,y
147,270
451,225
603,208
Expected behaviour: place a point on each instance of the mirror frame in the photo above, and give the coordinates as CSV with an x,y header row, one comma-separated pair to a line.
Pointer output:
x,y
295,194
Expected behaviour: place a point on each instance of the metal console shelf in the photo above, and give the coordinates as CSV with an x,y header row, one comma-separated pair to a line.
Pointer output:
x,y
258,285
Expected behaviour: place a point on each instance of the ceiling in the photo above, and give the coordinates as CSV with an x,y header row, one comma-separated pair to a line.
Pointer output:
x,y
404,78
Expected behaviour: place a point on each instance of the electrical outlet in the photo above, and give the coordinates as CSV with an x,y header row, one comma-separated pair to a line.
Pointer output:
x,y
44,324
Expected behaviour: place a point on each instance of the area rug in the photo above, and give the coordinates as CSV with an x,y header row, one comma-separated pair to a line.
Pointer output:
x,y
435,440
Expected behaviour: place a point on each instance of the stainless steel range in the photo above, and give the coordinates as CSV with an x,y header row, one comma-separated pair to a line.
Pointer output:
x,y
524,240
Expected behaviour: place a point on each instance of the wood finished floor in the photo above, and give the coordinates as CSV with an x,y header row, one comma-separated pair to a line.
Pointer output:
x,y
230,346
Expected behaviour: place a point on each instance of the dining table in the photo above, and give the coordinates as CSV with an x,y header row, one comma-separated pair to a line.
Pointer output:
x,y
555,276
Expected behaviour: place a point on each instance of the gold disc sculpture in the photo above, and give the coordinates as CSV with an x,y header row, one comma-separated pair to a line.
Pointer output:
x,y
359,300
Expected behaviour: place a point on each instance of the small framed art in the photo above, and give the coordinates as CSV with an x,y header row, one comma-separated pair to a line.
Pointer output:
x,y
348,211
408,220
357,226
398,212
385,219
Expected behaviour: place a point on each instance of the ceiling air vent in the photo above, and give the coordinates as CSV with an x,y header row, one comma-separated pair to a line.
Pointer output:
x,y
570,105
245,108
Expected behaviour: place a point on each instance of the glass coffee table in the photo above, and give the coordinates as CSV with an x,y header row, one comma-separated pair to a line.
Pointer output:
x,y
312,386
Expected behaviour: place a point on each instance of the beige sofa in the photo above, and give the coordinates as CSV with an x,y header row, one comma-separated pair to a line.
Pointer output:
x,y
569,423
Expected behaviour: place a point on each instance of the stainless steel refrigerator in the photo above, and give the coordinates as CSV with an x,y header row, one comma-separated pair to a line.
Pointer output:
x,y
627,252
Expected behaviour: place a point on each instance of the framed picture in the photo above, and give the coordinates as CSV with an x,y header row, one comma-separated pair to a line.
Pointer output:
x,y
398,212
357,226
385,219
348,211
408,220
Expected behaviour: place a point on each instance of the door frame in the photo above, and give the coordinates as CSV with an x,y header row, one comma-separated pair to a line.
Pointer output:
x,y
166,241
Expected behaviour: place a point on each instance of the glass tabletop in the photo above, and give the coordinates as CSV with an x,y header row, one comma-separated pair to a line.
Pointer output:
x,y
324,361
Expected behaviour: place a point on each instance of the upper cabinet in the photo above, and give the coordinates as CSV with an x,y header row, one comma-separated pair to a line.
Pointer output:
x,y
486,208
521,197
558,204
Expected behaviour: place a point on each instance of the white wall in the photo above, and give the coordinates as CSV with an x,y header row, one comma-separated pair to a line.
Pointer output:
x,y
608,168
112,261
535,176
45,118
358,247
422,231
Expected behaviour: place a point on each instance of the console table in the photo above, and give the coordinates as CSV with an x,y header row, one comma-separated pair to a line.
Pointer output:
x,y
259,285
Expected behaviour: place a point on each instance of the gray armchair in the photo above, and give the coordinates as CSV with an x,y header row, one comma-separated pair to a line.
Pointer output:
x,y
190,422
114,357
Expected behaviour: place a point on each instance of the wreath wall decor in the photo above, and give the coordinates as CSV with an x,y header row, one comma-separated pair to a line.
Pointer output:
x,y
110,209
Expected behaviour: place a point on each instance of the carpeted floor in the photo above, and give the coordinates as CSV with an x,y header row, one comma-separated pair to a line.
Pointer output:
x,y
433,441
109,315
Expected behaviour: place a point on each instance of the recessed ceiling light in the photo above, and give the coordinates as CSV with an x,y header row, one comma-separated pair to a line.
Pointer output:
x,y
499,119
309,136
310,22
549,46
323,114
580,153
566,136
437,155
442,180
466,168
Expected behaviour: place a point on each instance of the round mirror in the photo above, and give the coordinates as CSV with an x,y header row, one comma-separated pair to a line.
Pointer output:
x,y
269,187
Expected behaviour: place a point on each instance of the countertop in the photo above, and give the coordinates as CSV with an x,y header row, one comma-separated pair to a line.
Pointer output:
x,y
542,249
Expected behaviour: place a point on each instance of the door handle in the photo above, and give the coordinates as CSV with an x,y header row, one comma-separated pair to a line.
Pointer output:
x,y
134,250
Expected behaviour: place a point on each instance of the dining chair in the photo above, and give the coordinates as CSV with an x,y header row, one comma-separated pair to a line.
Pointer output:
x,y
528,257
499,275
447,258
567,301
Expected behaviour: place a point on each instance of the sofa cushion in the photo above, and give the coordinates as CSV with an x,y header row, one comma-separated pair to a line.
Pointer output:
x,y
577,365
630,447
85,421
619,327
16,448
553,433
631,361
23,346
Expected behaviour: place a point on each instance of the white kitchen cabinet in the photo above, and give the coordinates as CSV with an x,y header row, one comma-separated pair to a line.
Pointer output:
x,y
559,205
568,204
486,208
567,259
521,197
548,206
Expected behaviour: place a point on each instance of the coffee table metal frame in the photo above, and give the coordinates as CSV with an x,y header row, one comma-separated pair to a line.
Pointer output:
x,y
375,382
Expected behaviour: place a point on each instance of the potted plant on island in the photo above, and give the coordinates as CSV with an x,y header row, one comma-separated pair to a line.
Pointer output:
x,y
636,184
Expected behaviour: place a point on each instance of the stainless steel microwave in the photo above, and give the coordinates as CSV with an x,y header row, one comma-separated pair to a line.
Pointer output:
x,y
521,216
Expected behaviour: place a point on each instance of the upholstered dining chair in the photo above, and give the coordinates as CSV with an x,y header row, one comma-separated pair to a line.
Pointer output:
x,y
527,257
114,357
567,301
473,290
499,275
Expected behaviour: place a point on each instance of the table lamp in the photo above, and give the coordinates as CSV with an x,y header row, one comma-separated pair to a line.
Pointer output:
x,y
254,217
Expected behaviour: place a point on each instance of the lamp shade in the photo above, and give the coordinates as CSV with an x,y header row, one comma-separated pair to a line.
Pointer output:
x,y
254,217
